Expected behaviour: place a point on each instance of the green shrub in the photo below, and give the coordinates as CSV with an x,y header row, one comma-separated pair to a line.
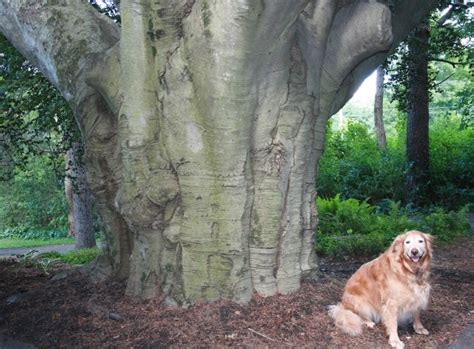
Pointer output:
x,y
47,260
452,162
24,232
75,257
82,256
445,226
353,167
33,203
355,228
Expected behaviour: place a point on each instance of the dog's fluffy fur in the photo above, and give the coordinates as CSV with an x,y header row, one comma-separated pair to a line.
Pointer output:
x,y
392,288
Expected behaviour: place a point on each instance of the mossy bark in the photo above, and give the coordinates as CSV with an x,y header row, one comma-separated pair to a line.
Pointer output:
x,y
204,122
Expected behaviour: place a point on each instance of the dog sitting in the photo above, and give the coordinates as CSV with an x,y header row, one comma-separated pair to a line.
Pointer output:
x,y
392,288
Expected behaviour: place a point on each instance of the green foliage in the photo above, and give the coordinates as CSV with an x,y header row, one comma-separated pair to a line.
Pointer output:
x,y
353,167
32,203
452,162
451,30
34,118
352,227
33,259
82,256
445,226
355,228
24,233
48,260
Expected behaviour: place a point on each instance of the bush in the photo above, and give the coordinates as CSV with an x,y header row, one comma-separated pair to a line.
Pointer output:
x,y
355,228
446,226
452,162
353,166
24,232
32,204
82,256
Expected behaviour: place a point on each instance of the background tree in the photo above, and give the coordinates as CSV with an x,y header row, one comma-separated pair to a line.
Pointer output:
x,y
444,37
378,109
418,184
203,124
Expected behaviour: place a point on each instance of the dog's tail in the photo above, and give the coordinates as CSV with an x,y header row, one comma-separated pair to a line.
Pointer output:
x,y
346,320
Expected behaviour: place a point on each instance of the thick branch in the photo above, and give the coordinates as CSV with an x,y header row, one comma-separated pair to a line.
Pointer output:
x,y
452,8
59,39
314,25
105,77
454,64
405,16
359,31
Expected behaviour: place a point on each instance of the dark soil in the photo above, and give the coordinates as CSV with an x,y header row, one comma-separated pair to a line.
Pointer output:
x,y
73,312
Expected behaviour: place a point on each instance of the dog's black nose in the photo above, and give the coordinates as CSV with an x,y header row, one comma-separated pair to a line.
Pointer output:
x,y
414,252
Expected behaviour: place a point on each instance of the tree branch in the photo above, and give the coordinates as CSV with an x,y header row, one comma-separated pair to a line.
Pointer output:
x,y
444,80
452,7
359,31
454,64
313,28
60,40
405,15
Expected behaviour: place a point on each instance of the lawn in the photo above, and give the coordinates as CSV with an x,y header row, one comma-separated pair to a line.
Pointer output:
x,y
16,243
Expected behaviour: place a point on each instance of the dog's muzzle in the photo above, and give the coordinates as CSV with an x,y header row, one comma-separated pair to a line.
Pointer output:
x,y
415,255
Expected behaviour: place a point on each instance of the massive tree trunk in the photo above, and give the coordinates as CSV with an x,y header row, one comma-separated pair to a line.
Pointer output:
x,y
203,123
417,148
378,110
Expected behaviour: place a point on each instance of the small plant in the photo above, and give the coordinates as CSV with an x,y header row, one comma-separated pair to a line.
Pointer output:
x,y
34,259
82,256
45,261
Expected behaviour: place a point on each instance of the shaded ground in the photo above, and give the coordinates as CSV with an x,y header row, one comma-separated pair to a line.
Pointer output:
x,y
72,312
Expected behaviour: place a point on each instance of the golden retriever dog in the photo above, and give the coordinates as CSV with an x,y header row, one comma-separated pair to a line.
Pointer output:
x,y
392,288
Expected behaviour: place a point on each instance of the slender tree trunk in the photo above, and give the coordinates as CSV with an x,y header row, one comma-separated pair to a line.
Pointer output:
x,y
203,123
68,190
417,148
81,200
378,110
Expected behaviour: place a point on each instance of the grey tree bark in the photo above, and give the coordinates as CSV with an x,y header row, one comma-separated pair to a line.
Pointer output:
x,y
417,149
378,110
68,188
203,123
79,200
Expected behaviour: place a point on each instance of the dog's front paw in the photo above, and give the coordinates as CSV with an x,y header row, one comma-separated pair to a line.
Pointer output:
x,y
422,330
396,343
369,324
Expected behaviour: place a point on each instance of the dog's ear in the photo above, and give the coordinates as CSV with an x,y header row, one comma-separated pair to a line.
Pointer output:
x,y
428,237
429,241
397,245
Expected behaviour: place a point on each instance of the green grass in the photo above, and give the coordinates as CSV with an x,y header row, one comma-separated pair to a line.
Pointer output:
x,y
17,243
75,257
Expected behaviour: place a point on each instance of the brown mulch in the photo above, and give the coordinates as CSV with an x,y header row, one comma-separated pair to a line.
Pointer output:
x,y
73,312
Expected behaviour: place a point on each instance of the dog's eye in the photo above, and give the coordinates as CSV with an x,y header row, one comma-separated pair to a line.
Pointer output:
x,y
407,242
420,241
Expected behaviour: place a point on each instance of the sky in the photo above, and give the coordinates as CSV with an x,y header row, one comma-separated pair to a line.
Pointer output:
x,y
365,94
